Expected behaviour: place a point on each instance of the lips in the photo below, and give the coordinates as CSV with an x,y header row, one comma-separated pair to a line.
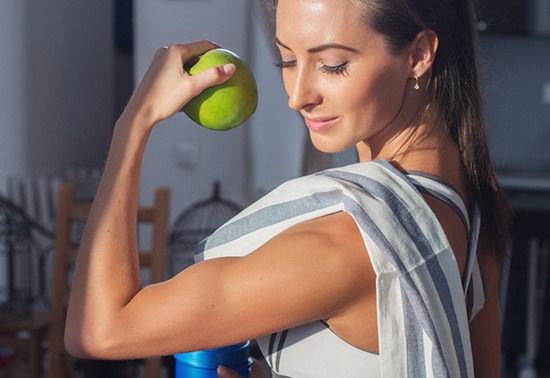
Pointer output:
x,y
320,124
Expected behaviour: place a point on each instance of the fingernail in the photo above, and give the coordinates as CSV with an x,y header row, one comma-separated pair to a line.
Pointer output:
x,y
223,371
229,68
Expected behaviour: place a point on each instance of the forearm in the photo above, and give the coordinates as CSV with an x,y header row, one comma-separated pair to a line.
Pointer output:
x,y
107,272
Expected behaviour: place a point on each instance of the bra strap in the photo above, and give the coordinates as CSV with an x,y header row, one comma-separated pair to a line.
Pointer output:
x,y
472,280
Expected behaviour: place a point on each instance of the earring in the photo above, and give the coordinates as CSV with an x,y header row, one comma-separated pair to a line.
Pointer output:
x,y
416,85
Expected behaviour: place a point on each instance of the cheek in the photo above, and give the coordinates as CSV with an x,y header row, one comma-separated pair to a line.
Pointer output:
x,y
382,95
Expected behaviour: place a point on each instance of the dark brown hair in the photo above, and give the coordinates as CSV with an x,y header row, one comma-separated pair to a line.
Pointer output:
x,y
455,88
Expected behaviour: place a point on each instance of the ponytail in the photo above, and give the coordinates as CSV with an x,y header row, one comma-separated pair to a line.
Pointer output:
x,y
454,87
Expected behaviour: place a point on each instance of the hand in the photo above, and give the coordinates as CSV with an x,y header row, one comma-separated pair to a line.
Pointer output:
x,y
256,371
166,86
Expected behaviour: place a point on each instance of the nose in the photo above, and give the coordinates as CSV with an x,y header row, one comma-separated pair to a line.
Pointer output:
x,y
302,92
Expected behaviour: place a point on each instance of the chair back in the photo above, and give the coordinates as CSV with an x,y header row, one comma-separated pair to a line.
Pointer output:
x,y
70,220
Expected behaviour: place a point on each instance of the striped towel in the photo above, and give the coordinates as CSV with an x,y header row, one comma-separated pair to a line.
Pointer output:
x,y
422,317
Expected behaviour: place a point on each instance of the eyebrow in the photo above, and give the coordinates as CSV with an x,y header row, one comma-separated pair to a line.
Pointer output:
x,y
320,48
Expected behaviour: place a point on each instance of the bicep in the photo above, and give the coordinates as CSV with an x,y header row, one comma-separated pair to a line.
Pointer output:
x,y
305,273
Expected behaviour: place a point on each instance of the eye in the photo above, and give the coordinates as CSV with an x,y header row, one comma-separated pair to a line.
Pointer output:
x,y
285,64
341,69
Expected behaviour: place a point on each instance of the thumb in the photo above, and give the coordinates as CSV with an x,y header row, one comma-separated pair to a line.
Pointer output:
x,y
212,76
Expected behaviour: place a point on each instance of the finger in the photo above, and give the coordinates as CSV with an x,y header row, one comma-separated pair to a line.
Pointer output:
x,y
200,47
224,372
258,371
189,50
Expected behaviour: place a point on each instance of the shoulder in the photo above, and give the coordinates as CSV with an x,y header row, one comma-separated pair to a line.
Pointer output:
x,y
293,202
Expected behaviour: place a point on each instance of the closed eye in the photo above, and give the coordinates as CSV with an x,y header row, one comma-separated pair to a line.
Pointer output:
x,y
285,64
341,69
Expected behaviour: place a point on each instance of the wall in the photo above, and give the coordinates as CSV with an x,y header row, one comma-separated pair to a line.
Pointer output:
x,y
246,160
56,108
13,83
70,75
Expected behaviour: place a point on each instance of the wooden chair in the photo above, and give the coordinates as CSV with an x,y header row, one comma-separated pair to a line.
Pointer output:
x,y
71,216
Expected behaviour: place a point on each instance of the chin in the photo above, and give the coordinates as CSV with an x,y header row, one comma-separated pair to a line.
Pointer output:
x,y
328,145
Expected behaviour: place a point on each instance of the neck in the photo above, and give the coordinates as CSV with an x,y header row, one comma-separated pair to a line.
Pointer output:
x,y
400,138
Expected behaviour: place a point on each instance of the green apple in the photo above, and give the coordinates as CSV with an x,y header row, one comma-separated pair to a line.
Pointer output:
x,y
227,105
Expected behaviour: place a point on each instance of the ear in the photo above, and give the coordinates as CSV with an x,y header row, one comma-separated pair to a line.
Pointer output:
x,y
422,52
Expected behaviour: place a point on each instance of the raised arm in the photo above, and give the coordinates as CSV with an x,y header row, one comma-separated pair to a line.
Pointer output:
x,y
107,272
310,271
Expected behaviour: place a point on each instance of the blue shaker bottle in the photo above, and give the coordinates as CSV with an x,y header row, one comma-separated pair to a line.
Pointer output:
x,y
203,363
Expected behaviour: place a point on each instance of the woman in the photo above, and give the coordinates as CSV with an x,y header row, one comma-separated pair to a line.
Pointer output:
x,y
368,270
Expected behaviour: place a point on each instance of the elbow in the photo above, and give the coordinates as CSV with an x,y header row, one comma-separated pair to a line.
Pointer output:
x,y
74,335
75,345
80,344
86,343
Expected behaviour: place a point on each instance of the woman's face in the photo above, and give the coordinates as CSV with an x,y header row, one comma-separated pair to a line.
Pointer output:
x,y
340,75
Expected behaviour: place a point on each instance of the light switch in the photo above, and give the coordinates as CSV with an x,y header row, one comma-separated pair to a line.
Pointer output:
x,y
186,155
546,93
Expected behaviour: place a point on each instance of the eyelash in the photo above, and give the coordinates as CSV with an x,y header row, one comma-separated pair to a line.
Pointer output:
x,y
341,69
285,64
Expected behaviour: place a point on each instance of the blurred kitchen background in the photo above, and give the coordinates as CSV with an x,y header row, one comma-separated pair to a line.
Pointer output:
x,y
68,67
